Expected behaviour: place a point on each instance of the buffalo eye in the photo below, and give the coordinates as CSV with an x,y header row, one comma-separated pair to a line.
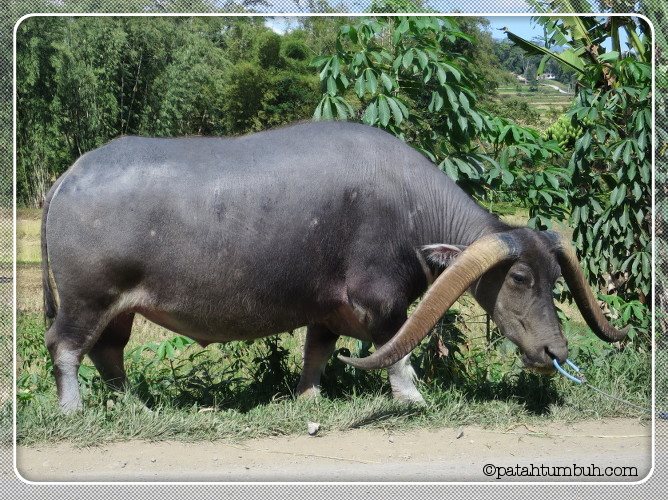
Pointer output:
x,y
519,278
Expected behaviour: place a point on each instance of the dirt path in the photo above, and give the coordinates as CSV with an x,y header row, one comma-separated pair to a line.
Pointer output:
x,y
359,455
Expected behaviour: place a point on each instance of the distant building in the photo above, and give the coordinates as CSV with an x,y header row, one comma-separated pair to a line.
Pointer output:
x,y
546,76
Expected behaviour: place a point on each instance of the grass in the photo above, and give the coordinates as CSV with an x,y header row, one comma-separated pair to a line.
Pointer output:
x,y
242,390
244,408
27,236
547,102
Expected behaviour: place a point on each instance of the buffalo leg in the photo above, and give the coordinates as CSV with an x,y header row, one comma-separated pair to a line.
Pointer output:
x,y
319,346
382,319
107,353
67,341
402,379
401,374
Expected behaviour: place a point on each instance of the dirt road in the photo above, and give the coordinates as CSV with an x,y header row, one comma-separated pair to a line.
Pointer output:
x,y
359,455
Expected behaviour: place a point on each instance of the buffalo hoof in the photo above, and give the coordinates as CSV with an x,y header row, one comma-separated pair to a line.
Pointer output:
x,y
311,392
71,406
413,398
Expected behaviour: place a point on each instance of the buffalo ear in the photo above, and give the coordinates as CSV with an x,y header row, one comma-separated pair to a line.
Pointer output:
x,y
441,255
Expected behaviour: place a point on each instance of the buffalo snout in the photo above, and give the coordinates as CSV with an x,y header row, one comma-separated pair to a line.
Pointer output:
x,y
541,357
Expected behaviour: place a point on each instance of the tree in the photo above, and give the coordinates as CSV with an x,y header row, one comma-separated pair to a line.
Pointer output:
x,y
610,165
84,81
403,74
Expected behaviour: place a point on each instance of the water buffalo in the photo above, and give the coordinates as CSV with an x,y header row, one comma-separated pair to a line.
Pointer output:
x,y
336,226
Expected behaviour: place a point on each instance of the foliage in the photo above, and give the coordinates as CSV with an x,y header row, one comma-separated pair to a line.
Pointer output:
x,y
404,74
517,110
609,168
180,391
377,58
83,81
514,59
33,361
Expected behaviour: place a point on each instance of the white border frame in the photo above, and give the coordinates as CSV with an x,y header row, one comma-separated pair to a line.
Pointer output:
x,y
338,14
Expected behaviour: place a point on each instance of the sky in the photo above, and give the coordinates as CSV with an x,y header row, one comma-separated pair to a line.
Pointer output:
x,y
520,25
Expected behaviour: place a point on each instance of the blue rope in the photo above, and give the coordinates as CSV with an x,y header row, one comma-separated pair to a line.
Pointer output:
x,y
577,380
580,379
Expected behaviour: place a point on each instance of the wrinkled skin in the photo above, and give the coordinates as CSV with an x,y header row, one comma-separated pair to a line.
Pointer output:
x,y
319,224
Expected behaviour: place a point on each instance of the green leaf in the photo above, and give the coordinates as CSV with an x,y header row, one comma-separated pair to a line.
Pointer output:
x,y
566,57
403,26
423,60
463,123
613,55
546,196
440,74
621,194
331,86
360,88
407,59
451,169
436,102
477,119
455,72
318,61
387,82
552,179
402,106
335,66
617,153
507,177
325,70
642,141
371,81
169,350
464,102
628,149
327,109
452,98
624,219
541,65
396,111
427,74
317,114
383,111
341,109
646,266
370,115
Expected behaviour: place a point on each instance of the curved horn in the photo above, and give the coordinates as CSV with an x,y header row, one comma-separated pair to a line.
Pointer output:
x,y
583,295
472,263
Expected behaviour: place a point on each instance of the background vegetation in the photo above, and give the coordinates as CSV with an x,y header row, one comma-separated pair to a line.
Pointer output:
x,y
575,158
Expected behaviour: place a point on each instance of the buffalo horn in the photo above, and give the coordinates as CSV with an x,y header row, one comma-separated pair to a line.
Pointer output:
x,y
473,262
583,295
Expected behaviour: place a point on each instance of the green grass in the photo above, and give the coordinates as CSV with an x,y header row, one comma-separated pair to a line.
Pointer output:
x,y
225,392
547,102
28,236
239,390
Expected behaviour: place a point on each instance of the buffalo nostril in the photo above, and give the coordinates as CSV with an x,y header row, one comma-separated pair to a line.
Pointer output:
x,y
559,353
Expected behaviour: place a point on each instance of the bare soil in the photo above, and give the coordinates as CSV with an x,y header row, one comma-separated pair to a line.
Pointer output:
x,y
359,455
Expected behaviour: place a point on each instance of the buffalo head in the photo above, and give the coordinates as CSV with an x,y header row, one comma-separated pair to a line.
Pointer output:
x,y
512,275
